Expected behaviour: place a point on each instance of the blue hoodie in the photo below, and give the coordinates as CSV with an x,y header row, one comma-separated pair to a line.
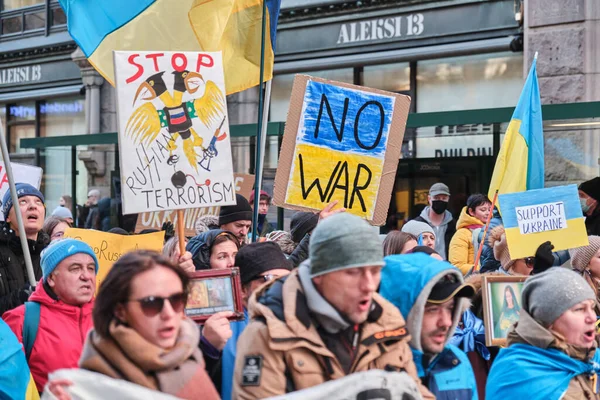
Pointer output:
x,y
406,281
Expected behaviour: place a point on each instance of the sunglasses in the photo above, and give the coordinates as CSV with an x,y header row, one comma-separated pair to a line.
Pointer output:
x,y
153,305
529,261
266,277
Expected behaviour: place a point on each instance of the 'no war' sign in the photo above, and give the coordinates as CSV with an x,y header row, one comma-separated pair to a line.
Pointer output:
x,y
342,142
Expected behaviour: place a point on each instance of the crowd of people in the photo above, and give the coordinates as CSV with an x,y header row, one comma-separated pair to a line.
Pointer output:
x,y
323,301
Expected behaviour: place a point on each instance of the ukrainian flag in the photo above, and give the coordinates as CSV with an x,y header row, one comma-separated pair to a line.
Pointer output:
x,y
232,26
520,163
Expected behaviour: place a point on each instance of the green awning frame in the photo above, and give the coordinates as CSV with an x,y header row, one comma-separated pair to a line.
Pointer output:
x,y
416,120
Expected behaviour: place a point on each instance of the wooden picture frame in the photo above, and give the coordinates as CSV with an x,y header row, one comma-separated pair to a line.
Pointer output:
x,y
212,291
499,314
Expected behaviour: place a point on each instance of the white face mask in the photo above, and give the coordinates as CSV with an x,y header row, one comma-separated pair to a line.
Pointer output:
x,y
585,207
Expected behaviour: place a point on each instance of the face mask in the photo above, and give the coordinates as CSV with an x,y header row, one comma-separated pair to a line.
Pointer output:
x,y
439,206
584,205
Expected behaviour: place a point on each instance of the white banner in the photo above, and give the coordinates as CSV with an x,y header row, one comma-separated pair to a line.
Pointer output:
x,y
174,137
22,173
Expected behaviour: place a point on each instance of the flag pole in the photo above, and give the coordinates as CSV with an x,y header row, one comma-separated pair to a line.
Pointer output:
x,y
15,200
259,129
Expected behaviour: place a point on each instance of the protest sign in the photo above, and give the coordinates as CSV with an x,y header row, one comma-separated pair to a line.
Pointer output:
x,y
174,139
155,220
342,142
23,173
536,216
109,247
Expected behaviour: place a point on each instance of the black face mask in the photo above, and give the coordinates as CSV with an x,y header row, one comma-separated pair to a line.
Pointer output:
x,y
439,206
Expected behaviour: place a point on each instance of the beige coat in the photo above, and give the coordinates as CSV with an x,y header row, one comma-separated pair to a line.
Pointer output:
x,y
281,351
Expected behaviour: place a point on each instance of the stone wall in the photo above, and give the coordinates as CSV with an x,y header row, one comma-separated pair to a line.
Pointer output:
x,y
566,35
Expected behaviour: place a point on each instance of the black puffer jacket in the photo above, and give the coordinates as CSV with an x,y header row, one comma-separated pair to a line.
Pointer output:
x,y
13,273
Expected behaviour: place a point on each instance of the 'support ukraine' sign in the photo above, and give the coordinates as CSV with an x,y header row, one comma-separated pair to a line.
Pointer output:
x,y
342,142
536,216
173,131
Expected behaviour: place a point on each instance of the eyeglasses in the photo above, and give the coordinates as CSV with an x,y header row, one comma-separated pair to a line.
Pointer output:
x,y
153,305
266,277
529,261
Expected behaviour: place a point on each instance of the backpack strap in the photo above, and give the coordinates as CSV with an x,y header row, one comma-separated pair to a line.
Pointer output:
x,y
31,323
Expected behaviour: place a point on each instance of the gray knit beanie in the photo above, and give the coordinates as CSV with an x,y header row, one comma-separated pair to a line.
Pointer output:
x,y
548,295
417,228
581,256
344,241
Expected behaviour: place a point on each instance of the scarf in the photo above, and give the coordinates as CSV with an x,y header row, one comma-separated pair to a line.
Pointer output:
x,y
470,336
127,355
524,370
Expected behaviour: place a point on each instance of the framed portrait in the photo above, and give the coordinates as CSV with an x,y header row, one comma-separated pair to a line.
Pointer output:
x,y
212,291
502,304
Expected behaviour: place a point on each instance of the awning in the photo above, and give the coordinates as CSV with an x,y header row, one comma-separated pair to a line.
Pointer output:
x,y
40,93
391,56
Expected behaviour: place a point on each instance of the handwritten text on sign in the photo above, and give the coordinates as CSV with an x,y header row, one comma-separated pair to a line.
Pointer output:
x,y
541,218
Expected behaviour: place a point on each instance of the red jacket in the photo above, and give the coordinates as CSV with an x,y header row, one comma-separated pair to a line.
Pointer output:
x,y
60,337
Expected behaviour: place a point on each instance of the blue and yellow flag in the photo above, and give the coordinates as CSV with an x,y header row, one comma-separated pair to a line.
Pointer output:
x,y
520,163
231,26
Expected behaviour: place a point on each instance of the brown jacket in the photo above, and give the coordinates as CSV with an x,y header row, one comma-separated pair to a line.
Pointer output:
x,y
281,351
528,331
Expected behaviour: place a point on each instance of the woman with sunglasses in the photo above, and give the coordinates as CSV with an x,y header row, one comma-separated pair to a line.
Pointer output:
x,y
520,266
141,334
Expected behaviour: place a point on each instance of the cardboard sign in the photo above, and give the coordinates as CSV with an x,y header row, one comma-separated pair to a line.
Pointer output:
x,y
174,139
342,142
109,247
22,173
244,183
536,216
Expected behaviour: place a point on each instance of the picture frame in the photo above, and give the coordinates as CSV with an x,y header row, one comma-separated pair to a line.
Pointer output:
x,y
212,291
501,297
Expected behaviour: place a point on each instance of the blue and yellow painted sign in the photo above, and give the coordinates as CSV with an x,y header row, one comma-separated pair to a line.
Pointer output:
x,y
341,146
536,216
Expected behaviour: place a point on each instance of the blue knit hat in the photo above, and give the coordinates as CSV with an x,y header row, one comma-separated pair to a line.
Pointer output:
x,y
23,189
58,250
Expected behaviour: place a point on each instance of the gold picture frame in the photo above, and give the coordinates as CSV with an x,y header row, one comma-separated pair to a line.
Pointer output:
x,y
501,297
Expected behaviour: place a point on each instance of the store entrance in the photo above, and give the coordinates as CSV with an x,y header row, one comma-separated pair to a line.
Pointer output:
x,y
464,176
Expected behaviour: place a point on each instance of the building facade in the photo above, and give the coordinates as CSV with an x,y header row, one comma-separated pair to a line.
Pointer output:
x,y
447,55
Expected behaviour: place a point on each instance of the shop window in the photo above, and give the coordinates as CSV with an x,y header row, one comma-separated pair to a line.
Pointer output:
x,y
390,77
12,25
16,4
35,21
58,16
470,82
62,117
282,89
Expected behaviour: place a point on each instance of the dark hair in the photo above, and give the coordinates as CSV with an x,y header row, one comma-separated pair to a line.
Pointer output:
x,y
475,200
395,241
115,289
516,305
224,237
51,223
68,201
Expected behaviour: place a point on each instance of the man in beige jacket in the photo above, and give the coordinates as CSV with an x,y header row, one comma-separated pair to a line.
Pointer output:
x,y
324,320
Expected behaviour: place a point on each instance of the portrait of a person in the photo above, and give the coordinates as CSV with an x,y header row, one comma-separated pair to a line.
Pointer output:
x,y
509,313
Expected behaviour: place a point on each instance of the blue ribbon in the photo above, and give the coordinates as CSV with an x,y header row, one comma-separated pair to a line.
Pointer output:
x,y
471,337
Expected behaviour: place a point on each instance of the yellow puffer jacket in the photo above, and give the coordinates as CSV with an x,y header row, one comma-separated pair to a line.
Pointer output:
x,y
461,253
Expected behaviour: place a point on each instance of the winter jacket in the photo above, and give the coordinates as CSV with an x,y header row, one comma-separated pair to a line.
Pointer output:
x,y
592,223
407,281
61,333
540,365
462,250
281,350
487,261
13,273
443,232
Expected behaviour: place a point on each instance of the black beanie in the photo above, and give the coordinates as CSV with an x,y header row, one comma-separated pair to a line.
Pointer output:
x,y
257,258
241,211
591,188
302,223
